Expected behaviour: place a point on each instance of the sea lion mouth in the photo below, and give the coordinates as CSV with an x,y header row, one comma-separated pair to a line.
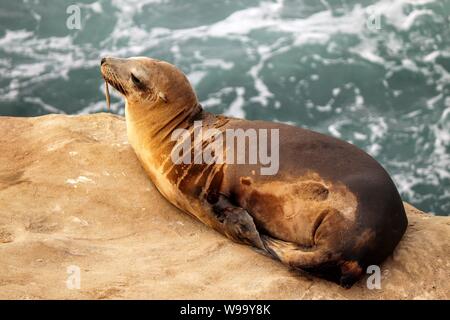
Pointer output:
x,y
116,85
112,79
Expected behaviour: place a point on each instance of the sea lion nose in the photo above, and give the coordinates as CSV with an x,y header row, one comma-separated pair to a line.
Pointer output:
x,y
102,61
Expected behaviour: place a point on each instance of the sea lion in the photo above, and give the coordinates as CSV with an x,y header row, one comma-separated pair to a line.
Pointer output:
x,y
329,209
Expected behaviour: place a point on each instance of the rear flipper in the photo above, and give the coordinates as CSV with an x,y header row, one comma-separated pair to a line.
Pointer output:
x,y
315,260
293,254
235,222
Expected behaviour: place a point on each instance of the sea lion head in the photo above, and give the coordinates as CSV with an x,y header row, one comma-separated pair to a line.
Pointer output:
x,y
148,83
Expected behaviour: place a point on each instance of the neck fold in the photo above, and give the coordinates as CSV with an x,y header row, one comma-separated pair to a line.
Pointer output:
x,y
154,125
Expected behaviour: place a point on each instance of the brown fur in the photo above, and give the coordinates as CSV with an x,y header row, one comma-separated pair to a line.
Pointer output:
x,y
331,209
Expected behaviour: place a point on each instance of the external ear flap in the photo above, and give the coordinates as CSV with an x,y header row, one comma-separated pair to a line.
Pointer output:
x,y
162,96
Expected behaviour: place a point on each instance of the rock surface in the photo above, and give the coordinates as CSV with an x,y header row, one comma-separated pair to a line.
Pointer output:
x,y
72,193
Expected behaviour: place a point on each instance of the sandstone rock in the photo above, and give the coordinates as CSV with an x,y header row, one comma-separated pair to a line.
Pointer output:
x,y
72,193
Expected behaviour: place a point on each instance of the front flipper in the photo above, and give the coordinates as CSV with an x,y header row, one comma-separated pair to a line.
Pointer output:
x,y
235,222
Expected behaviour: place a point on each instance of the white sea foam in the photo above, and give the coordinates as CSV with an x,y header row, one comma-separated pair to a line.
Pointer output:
x,y
235,109
53,58
43,105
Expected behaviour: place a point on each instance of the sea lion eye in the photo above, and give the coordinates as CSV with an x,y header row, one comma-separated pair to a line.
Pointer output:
x,y
135,79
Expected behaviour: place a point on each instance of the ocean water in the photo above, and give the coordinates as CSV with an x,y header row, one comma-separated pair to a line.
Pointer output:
x,y
375,73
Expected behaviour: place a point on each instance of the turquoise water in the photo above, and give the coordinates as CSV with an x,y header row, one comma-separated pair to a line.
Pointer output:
x,y
375,73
